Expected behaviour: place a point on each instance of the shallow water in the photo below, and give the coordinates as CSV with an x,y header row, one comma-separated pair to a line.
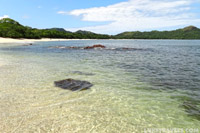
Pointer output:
x,y
156,87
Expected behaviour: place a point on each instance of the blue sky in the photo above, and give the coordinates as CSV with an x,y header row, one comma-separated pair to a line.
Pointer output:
x,y
109,16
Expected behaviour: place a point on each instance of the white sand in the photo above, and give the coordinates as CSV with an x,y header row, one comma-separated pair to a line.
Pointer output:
x,y
10,40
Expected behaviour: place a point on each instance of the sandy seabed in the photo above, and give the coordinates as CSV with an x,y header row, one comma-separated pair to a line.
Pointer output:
x,y
22,41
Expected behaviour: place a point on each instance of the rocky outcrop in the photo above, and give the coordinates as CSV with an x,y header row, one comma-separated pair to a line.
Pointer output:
x,y
95,46
73,85
74,47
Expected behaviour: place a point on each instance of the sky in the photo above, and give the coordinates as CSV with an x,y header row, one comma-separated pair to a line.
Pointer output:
x,y
107,17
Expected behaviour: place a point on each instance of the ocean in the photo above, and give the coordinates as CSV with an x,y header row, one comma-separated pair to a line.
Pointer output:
x,y
156,85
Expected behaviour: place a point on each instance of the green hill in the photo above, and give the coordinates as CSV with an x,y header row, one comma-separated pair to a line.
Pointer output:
x,y
13,29
60,29
189,32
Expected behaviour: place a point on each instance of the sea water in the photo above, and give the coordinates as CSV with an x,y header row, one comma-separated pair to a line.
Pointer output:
x,y
154,86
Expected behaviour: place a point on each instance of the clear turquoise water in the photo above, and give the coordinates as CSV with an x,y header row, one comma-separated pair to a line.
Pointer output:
x,y
157,87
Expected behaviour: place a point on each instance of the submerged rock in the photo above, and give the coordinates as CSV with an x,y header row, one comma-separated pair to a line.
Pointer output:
x,y
28,44
192,109
128,49
73,85
82,73
73,47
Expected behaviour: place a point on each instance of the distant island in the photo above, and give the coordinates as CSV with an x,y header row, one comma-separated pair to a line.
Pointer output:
x,y
10,28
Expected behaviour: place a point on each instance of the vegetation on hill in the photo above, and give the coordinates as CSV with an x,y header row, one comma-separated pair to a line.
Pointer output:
x,y
189,32
60,29
13,29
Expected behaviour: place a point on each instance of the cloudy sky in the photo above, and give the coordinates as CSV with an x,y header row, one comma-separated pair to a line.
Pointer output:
x,y
110,16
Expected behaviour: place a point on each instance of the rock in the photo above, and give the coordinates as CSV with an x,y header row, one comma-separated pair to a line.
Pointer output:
x,y
128,49
192,109
63,47
99,46
73,85
95,46
82,73
73,47
88,47
125,48
28,44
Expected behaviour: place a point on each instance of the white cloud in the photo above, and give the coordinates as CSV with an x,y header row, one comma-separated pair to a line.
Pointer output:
x,y
137,15
63,13
4,16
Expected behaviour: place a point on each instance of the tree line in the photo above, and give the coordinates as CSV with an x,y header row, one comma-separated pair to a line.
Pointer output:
x,y
12,29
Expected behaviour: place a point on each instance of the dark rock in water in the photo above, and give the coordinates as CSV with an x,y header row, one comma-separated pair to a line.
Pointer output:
x,y
95,46
88,47
82,73
28,44
64,47
99,46
192,109
131,49
73,85
74,47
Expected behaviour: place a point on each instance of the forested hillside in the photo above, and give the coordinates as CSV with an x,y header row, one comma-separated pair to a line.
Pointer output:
x,y
13,29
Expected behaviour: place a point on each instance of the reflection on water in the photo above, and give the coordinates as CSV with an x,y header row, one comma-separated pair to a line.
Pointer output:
x,y
133,90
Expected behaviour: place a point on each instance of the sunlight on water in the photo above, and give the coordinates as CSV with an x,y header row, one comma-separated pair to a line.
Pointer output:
x,y
128,94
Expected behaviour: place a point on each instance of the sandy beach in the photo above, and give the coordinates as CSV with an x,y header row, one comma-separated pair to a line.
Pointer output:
x,y
11,40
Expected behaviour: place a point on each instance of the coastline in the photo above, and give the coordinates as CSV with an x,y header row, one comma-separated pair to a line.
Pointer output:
x,y
11,40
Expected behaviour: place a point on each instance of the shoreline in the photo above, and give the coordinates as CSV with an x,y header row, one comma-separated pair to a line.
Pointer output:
x,y
11,40
24,40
